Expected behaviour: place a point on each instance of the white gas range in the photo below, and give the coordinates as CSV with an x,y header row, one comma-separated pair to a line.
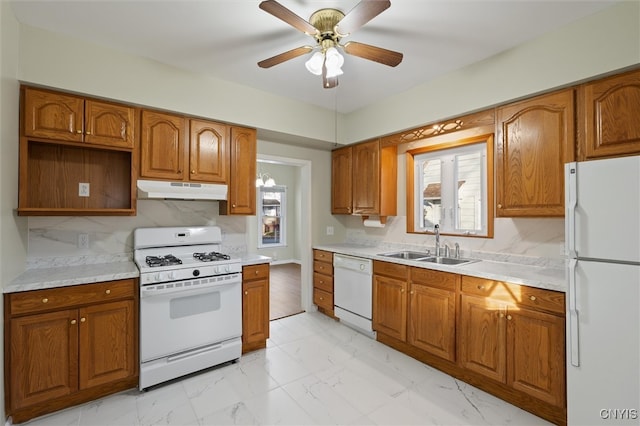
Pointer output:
x,y
190,302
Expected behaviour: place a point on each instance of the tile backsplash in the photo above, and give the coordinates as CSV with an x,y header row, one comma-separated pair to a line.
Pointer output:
x,y
110,238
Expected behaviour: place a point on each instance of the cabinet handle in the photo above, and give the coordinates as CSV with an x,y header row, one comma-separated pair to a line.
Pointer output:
x,y
532,298
321,298
509,317
246,292
45,300
83,319
257,272
73,322
193,172
321,282
233,205
501,315
79,132
402,290
88,133
107,291
499,206
480,287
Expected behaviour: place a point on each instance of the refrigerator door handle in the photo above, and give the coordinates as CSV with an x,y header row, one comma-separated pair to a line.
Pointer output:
x,y
574,349
571,201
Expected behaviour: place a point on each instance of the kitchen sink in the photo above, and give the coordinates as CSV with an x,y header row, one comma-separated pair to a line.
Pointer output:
x,y
447,260
407,255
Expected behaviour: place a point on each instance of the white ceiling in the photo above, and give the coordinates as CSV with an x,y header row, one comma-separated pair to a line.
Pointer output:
x,y
226,38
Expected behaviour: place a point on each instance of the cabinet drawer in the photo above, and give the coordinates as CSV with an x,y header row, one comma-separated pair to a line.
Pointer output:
x,y
255,272
390,269
67,297
431,278
323,268
323,282
323,299
538,298
323,256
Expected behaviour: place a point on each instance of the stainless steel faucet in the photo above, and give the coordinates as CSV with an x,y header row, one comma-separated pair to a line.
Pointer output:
x,y
436,229
457,251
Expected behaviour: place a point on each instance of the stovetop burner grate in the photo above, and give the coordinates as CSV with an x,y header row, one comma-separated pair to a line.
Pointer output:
x,y
211,256
166,260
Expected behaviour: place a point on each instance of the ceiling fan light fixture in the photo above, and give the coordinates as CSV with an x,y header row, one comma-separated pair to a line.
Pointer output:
x,y
314,64
333,61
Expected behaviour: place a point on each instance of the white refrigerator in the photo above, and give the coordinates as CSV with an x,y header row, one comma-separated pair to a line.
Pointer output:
x,y
602,230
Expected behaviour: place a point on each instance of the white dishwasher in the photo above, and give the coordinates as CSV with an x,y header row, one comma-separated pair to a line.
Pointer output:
x,y
352,292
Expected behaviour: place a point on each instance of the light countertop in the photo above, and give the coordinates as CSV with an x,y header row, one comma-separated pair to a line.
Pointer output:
x,y
540,276
88,273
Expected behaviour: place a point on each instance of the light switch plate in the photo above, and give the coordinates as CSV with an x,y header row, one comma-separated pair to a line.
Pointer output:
x,y
329,230
83,189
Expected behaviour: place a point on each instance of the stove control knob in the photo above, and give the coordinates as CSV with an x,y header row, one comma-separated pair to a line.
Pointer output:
x,y
216,270
157,277
171,275
196,272
227,268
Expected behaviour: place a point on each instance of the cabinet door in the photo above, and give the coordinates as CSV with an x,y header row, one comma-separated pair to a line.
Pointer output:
x,y
44,357
535,355
390,306
536,138
242,187
341,181
482,336
162,146
255,311
208,151
53,115
432,320
366,178
107,343
608,114
109,124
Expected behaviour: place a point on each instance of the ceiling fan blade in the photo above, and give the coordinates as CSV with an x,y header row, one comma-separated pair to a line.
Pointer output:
x,y
362,13
373,53
278,59
328,82
281,12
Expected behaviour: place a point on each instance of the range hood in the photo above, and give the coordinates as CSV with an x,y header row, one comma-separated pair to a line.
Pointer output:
x,y
181,190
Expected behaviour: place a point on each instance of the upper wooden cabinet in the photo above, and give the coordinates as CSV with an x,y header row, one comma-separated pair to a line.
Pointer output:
x,y
535,139
77,156
364,179
64,117
609,117
165,153
341,181
241,198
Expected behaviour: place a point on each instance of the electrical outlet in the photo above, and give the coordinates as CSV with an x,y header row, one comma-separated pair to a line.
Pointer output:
x,y
329,230
83,241
83,189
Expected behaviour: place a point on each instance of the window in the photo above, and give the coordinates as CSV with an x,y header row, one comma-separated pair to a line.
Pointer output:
x,y
452,187
271,216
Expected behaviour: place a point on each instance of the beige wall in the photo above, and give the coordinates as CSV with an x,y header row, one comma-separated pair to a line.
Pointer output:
x,y
594,45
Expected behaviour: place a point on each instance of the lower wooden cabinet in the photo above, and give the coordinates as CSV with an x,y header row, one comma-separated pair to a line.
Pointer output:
x,y
255,307
323,281
514,335
69,345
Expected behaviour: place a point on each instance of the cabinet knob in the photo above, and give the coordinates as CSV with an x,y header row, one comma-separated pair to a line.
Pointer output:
x,y
73,322
532,298
246,292
499,206
193,172
509,317
88,133
107,291
501,315
321,298
257,272
233,205
79,132
45,300
480,287
321,281
83,319
402,290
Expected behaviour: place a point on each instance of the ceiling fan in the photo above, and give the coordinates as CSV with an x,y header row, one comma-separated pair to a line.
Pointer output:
x,y
328,26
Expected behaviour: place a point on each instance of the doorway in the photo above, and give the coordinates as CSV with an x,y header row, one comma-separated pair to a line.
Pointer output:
x,y
294,268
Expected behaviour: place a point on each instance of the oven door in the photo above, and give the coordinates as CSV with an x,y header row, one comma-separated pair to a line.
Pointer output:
x,y
184,315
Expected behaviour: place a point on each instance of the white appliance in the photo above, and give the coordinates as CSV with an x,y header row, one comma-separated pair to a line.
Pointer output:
x,y
190,302
602,230
352,292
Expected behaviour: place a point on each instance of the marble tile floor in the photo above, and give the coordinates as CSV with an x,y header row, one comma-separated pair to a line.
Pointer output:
x,y
314,371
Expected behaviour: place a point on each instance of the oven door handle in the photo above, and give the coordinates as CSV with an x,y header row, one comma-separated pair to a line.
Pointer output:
x,y
153,291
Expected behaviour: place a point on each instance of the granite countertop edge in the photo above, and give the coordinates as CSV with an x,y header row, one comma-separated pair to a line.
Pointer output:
x,y
88,273
544,277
